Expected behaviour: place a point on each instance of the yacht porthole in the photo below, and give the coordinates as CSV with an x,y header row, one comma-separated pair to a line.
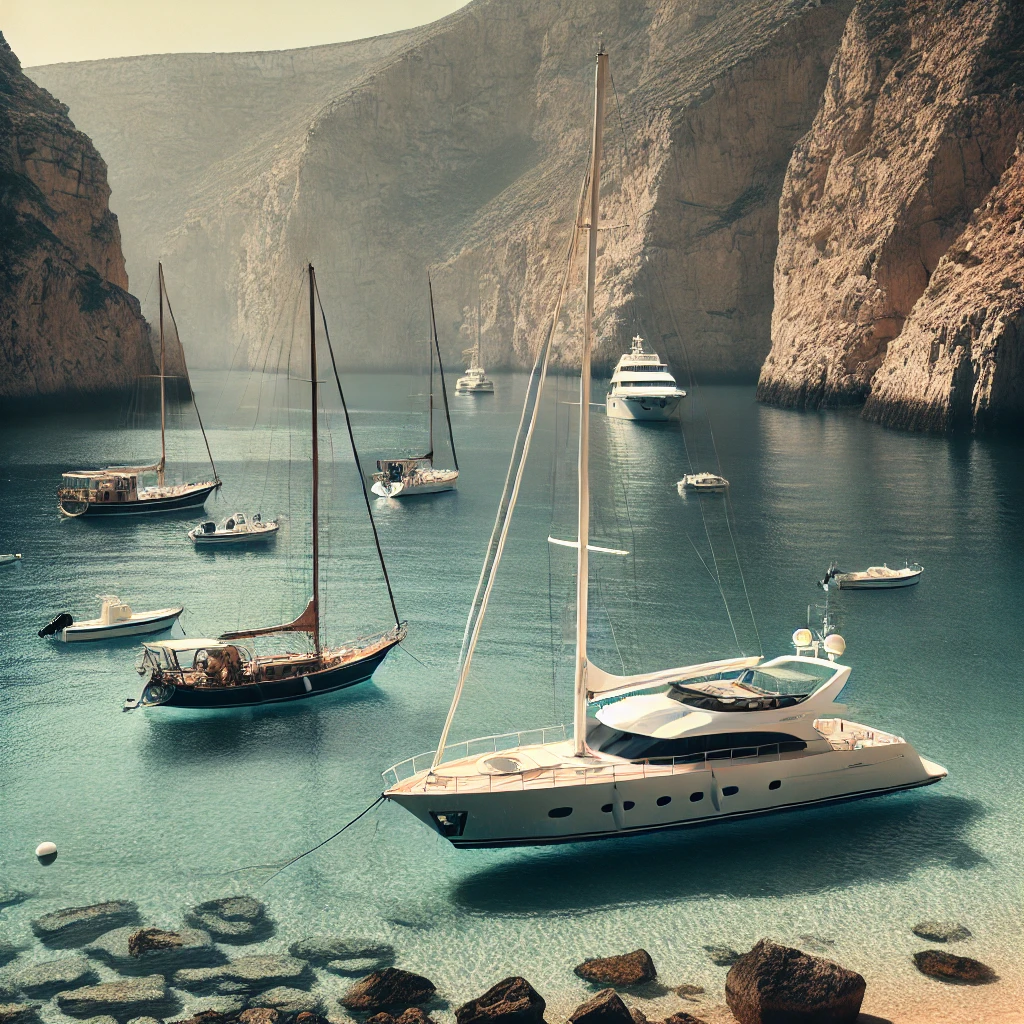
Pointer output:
x,y
696,797
663,800
606,808
730,790
560,812
628,805
775,785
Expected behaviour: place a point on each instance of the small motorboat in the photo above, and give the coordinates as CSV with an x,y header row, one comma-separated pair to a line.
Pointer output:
x,y
9,559
236,529
116,619
702,483
876,577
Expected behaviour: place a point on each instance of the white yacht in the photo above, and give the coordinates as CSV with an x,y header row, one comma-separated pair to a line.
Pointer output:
x,y
683,746
476,382
642,387
702,483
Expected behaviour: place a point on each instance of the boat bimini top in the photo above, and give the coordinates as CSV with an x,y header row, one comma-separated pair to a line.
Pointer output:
x,y
163,654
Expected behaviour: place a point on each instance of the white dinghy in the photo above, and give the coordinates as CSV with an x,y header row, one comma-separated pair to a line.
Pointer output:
x,y
679,747
702,483
116,620
236,529
9,559
875,577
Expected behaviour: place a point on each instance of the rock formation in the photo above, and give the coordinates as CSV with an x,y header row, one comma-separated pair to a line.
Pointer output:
x,y
897,279
461,145
636,968
67,323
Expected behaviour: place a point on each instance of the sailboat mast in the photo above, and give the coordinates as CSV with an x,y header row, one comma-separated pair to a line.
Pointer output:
x,y
579,719
477,360
440,373
430,400
163,379
316,463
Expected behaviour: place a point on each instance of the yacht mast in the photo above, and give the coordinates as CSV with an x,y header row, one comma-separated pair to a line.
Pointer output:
x,y
583,470
430,400
316,464
440,372
476,362
163,380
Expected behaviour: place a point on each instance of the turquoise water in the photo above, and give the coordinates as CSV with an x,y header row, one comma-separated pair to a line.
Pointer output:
x,y
172,808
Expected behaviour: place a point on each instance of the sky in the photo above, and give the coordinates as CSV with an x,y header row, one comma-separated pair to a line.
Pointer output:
x,y
54,31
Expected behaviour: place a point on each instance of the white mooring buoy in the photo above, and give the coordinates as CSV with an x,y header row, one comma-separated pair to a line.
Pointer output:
x,y
47,852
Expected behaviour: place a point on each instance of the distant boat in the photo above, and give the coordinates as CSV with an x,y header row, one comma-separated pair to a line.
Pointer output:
x,y
642,387
876,577
417,474
702,483
9,559
133,490
116,619
236,529
476,381
206,674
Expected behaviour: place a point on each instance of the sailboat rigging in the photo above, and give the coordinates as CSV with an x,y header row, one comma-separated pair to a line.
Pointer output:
x,y
417,475
123,490
684,746
225,673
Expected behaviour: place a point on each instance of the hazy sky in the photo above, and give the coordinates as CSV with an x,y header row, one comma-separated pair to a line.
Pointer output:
x,y
51,31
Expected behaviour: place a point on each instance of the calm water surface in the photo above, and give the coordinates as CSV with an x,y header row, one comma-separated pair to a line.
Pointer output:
x,y
172,808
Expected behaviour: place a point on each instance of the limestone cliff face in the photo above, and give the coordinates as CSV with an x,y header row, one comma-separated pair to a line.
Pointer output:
x,y
460,146
875,288
67,323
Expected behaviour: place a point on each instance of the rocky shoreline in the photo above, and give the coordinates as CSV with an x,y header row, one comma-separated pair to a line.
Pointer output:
x,y
197,974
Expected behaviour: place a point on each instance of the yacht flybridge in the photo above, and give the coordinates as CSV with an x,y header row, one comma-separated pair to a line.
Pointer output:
x,y
642,387
132,490
228,672
683,746
418,475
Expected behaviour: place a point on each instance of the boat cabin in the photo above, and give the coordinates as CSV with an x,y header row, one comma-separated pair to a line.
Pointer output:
x,y
196,660
396,470
102,486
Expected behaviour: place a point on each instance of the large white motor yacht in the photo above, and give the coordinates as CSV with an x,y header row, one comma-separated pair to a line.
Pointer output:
x,y
684,746
642,387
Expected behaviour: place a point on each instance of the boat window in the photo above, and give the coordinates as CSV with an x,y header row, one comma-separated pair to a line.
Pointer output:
x,y
607,808
663,801
730,790
560,812
695,798
777,784
628,805
450,823
743,744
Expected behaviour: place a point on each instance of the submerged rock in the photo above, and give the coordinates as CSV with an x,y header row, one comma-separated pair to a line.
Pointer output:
x,y
321,950
776,983
154,951
145,1020
310,1018
124,999
722,956
683,1018
75,926
511,1001
289,1001
414,1015
8,952
245,974
389,989
221,1006
259,1015
18,1013
941,931
949,967
605,1008
9,896
47,979
233,919
102,1020
634,968
688,991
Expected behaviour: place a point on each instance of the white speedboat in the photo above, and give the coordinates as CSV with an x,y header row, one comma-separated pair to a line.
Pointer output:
x,y
876,577
476,382
642,387
236,529
695,745
116,619
702,483
8,559
406,477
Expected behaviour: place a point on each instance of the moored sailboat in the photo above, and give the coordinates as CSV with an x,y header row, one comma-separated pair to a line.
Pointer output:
x,y
476,381
135,490
417,474
693,745
228,672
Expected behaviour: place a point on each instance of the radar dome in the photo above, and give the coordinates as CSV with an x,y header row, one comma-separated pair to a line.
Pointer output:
x,y
835,645
802,638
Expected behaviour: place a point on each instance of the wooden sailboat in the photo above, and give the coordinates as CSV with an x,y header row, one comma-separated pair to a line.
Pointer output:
x,y
133,490
417,475
680,747
226,672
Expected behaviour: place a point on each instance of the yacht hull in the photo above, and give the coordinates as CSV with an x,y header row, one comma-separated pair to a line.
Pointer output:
x,y
312,684
523,816
140,624
878,584
191,498
215,540
642,409
408,490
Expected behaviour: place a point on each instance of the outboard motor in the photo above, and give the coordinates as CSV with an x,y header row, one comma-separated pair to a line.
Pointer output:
x,y
58,623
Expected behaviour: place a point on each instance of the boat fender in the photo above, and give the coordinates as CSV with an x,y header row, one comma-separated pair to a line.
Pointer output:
x,y
716,793
307,684
46,852
58,622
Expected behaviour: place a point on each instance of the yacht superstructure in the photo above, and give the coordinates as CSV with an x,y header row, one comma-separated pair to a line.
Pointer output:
x,y
642,387
682,746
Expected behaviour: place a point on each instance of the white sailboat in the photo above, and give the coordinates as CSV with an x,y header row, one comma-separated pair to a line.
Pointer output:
x,y
667,749
642,388
476,381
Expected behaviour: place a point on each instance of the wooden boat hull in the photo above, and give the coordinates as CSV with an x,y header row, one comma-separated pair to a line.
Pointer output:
x,y
191,498
210,698
141,624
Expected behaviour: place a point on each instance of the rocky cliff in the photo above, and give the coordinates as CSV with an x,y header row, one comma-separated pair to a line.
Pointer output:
x,y
897,279
67,322
460,146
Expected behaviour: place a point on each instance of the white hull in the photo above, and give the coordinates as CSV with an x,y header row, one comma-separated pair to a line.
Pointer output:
x,y
517,811
878,584
406,489
202,540
139,624
645,409
8,559
474,389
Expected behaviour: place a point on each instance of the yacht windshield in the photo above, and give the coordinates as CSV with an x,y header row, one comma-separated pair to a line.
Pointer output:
x,y
635,747
754,689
